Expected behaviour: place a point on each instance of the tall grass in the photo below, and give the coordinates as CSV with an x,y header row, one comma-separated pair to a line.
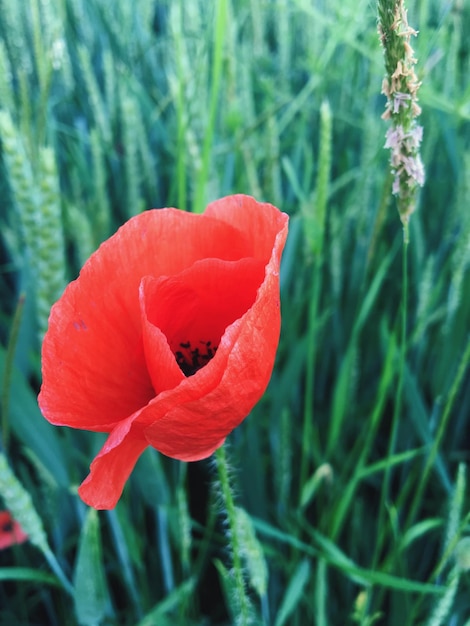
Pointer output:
x,y
108,108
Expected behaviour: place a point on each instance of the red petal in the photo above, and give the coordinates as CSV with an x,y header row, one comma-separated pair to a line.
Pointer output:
x,y
195,306
195,426
108,357
260,222
161,363
210,404
112,466
11,532
94,370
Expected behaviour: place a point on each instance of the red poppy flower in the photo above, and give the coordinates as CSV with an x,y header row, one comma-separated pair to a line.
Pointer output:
x,y
168,336
10,531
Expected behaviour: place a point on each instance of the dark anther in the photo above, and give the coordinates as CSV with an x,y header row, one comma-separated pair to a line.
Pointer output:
x,y
180,358
190,361
196,358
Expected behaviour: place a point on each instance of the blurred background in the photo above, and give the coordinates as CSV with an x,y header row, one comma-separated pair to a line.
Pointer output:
x,y
350,474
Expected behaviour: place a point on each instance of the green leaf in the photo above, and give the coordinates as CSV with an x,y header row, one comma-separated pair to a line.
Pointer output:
x,y
31,428
174,599
240,616
29,574
228,586
325,548
294,592
90,591
252,552
419,530
391,461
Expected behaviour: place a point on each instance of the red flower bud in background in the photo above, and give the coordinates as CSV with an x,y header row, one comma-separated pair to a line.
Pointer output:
x,y
11,532
168,336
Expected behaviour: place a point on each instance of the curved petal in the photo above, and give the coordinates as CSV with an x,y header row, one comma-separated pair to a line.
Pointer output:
x,y
185,316
260,222
94,370
195,426
112,466
160,360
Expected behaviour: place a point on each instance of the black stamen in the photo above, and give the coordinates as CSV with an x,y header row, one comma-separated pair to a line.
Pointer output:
x,y
190,361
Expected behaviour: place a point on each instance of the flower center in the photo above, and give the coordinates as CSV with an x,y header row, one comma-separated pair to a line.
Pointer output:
x,y
191,357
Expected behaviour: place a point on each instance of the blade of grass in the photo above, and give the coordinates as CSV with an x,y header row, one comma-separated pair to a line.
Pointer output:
x,y
220,24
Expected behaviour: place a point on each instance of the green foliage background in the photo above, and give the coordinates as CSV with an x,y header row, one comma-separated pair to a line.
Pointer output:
x,y
350,511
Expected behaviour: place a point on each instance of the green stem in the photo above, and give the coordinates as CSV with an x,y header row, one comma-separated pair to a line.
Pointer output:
x,y
58,571
314,225
310,443
181,119
463,365
217,63
399,394
235,544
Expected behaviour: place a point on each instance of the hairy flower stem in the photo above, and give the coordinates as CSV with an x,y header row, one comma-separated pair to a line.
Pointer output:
x,y
235,544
